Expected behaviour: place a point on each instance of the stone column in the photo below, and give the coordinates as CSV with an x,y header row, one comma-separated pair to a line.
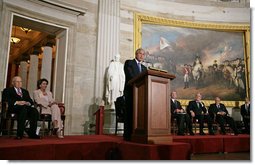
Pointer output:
x,y
47,63
14,68
107,47
108,40
33,72
23,73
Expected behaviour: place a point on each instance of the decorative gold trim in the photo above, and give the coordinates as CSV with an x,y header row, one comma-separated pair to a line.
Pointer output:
x,y
140,19
208,102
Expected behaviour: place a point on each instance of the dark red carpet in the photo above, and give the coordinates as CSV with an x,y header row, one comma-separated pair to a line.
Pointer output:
x,y
109,147
216,143
89,147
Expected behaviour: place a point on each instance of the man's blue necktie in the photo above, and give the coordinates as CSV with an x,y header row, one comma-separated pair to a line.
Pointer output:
x,y
140,67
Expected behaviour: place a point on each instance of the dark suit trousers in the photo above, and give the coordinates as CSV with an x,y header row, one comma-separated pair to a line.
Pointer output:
x,y
24,113
128,114
246,124
226,119
202,119
181,119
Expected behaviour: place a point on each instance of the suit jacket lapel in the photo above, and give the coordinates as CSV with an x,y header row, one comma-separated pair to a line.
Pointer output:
x,y
14,92
135,66
174,104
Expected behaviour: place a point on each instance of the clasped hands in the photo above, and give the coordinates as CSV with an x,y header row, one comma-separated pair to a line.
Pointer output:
x,y
221,113
49,105
52,103
193,113
22,103
180,111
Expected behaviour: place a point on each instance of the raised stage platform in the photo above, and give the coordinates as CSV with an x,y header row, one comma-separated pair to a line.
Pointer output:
x,y
109,147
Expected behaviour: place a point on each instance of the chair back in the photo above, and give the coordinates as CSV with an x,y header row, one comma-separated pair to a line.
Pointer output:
x,y
120,107
236,115
4,103
5,110
7,115
62,108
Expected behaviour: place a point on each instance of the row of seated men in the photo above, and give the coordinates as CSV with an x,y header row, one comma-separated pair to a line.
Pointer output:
x,y
20,103
217,112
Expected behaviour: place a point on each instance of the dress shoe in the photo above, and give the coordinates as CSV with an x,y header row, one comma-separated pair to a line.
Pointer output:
x,y
18,137
191,134
35,137
127,138
211,133
59,134
54,131
180,134
201,133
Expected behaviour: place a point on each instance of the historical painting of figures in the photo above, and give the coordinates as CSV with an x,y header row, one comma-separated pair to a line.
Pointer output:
x,y
209,61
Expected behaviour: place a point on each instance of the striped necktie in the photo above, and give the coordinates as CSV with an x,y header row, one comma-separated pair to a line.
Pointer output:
x,y
19,92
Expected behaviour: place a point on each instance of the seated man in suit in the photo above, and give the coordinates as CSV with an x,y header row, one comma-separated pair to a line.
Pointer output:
x,y
20,103
245,112
197,109
222,116
180,114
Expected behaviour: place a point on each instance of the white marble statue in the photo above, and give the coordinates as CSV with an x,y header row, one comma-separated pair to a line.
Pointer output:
x,y
115,81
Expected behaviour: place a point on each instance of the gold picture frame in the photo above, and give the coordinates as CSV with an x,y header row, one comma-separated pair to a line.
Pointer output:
x,y
141,20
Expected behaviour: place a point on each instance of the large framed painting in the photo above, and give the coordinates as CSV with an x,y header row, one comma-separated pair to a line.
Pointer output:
x,y
207,58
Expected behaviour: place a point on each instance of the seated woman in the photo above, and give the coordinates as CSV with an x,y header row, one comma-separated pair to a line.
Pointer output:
x,y
49,105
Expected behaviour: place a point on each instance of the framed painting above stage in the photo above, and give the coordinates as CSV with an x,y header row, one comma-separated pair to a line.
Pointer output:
x,y
213,59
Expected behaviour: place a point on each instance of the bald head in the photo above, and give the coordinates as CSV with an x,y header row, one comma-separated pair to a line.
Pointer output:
x,y
17,81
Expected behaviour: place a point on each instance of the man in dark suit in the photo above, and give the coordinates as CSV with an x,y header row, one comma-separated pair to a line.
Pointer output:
x,y
197,110
19,102
180,114
245,112
222,116
132,68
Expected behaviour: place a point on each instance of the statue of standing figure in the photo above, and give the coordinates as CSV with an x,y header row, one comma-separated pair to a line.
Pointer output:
x,y
115,81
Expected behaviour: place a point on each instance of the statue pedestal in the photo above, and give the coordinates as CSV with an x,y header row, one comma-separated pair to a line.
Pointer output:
x,y
109,121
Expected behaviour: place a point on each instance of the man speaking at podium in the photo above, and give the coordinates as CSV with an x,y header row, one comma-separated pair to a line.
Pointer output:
x,y
131,68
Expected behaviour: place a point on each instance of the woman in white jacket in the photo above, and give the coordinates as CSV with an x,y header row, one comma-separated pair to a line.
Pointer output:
x,y
49,105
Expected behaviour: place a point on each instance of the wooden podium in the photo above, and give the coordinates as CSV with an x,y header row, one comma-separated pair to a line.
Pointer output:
x,y
151,107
